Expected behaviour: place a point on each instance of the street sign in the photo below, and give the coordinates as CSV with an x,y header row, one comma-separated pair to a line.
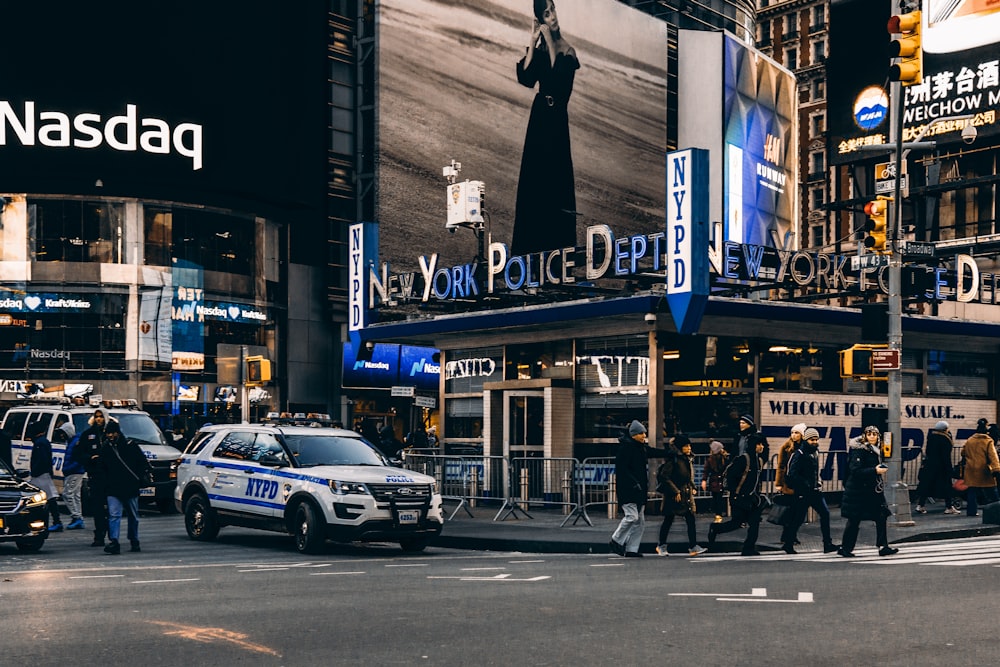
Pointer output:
x,y
425,401
868,261
886,187
917,249
405,392
885,360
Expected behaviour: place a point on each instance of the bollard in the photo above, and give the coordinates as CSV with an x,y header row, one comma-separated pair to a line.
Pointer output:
x,y
567,492
524,489
473,487
612,494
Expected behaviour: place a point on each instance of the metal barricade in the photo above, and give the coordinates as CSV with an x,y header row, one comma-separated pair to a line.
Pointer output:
x,y
544,482
595,482
469,480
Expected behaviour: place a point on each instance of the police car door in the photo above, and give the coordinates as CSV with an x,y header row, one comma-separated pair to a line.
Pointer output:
x,y
233,478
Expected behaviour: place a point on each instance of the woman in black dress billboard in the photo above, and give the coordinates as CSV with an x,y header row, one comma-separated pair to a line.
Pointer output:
x,y
545,213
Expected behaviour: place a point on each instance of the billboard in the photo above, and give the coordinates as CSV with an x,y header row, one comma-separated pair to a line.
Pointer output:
x,y
961,70
575,136
392,365
752,143
221,103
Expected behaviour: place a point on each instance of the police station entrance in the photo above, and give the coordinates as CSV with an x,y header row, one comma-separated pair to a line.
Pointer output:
x,y
524,423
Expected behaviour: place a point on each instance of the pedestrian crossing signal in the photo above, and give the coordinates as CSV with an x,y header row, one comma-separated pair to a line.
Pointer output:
x,y
258,370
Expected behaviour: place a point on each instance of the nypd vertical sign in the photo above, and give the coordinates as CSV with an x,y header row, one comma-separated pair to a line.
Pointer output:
x,y
687,237
363,252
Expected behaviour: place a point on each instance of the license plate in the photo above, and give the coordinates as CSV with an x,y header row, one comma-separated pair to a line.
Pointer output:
x,y
148,493
409,517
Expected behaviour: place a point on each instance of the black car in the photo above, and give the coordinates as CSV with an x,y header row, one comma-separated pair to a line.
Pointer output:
x,y
23,516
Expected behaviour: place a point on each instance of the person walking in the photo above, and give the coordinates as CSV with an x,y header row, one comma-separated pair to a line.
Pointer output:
x,y
864,495
675,480
803,477
632,489
72,478
713,477
87,453
41,471
743,479
748,438
982,468
934,477
126,470
789,494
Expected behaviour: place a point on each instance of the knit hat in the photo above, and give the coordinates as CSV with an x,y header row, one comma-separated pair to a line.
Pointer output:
x,y
748,419
636,427
871,428
112,427
715,446
801,428
941,426
680,440
810,433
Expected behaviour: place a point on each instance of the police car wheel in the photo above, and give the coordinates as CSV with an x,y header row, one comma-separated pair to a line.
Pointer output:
x,y
30,545
199,519
308,529
413,546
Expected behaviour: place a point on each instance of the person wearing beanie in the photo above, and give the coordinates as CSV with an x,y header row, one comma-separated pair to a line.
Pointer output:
x,y
784,455
713,479
746,505
748,437
675,480
934,476
87,452
41,470
72,474
632,489
982,469
803,476
864,493
126,471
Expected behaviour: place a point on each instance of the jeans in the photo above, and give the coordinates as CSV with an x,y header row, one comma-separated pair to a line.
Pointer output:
x,y
629,531
668,520
989,496
72,484
115,506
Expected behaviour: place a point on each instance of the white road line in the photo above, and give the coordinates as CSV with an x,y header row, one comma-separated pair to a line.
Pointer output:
x,y
754,593
607,564
265,569
327,574
480,569
525,561
803,597
97,576
409,565
163,581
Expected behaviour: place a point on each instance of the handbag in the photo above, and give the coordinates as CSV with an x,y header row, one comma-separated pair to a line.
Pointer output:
x,y
780,510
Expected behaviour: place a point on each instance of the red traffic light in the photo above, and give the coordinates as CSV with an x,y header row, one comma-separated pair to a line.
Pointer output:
x,y
903,23
875,208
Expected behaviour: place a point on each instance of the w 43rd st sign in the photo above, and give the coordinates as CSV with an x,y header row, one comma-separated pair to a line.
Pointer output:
x,y
885,360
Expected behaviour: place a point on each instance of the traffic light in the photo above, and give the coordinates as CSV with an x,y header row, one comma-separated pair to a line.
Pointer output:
x,y
856,362
910,68
258,370
876,225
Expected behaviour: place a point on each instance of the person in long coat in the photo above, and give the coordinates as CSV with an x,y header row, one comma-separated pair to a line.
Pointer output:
x,y
632,489
934,479
864,493
675,480
982,468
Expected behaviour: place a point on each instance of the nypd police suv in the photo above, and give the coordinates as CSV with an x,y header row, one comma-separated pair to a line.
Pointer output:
x,y
315,483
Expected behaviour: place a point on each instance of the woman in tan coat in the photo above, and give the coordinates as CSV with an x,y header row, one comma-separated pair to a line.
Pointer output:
x,y
982,468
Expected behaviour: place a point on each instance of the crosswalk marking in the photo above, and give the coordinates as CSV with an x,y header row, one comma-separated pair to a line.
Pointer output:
x,y
954,553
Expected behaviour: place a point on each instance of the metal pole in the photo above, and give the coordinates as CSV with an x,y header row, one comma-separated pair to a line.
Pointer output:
x,y
244,393
898,493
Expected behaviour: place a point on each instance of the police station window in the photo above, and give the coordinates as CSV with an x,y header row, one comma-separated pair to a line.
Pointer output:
x,y
465,371
958,373
77,231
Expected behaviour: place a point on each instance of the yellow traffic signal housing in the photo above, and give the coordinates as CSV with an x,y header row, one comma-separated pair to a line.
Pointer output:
x,y
258,370
877,224
856,362
909,70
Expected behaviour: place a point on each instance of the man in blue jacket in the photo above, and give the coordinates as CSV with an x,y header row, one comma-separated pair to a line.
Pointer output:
x,y
632,489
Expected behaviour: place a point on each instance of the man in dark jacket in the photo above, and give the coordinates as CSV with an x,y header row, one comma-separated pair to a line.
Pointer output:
x,y
88,453
803,478
126,470
41,470
748,438
934,478
632,489
743,478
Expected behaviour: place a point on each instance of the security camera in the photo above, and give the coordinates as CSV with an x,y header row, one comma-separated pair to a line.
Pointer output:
x,y
969,133
650,318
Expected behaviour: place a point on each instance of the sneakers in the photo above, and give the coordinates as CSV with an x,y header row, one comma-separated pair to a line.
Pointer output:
x,y
952,510
616,548
56,528
75,524
887,551
113,548
696,550
633,554
662,550
845,554
920,509
830,547
718,518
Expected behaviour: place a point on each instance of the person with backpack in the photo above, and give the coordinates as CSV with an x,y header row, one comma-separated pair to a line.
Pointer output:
x,y
803,477
743,479
864,493
713,478
675,480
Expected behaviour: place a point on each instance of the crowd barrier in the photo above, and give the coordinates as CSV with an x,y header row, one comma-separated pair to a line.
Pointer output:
x,y
514,485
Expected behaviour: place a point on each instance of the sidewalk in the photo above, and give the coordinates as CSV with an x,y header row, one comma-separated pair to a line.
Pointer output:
x,y
542,532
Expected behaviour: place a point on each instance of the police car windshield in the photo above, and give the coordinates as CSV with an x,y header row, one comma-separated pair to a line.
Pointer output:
x,y
331,450
139,427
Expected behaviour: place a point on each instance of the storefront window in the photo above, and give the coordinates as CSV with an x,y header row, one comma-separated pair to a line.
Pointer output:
x,y
214,241
958,373
77,231
465,371
612,381
553,359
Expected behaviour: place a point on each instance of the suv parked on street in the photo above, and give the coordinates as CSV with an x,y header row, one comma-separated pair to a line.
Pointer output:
x,y
24,519
136,425
312,482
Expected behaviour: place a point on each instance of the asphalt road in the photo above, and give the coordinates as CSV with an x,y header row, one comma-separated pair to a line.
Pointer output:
x,y
250,599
